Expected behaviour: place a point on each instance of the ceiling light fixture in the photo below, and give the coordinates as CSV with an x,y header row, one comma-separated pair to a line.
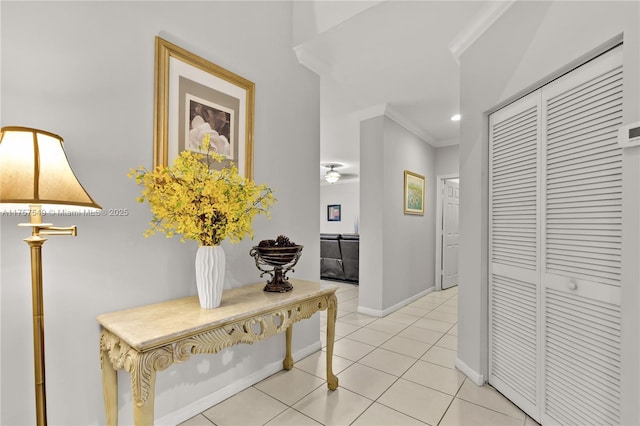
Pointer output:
x,y
332,176
455,117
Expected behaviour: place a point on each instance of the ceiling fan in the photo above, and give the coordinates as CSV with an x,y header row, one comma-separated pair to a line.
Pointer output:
x,y
332,176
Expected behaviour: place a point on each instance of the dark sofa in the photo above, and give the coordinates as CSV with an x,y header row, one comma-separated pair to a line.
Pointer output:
x,y
340,257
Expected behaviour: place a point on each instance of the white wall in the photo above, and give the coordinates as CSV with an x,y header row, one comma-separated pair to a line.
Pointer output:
x,y
313,17
447,160
339,143
339,128
371,213
347,195
396,250
530,42
84,70
409,250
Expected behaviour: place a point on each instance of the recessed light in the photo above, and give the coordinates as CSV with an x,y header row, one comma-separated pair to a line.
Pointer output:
x,y
455,117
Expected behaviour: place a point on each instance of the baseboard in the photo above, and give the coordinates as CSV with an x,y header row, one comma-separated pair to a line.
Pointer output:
x,y
383,313
220,395
473,375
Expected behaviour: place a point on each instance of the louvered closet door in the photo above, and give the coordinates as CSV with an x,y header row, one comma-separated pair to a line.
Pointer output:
x,y
581,244
514,267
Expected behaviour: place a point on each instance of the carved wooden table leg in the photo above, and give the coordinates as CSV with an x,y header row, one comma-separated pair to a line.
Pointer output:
x,y
143,381
143,413
332,312
109,388
287,364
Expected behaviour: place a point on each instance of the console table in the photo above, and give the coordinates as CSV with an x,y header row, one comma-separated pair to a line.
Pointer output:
x,y
149,339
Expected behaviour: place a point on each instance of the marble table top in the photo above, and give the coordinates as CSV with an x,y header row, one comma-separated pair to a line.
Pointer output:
x,y
150,326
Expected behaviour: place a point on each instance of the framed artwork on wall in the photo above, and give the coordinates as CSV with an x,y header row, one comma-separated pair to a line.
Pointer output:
x,y
195,97
333,212
413,193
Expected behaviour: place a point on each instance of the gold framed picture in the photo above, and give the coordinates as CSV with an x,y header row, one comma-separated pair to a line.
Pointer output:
x,y
413,193
195,97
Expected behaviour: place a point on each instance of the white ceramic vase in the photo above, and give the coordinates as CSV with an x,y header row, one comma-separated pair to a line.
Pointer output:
x,y
210,264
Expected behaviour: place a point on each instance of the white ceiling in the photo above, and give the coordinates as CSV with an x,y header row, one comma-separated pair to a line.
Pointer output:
x,y
396,57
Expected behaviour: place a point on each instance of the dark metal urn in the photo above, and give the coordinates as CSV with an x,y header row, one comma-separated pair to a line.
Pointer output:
x,y
276,262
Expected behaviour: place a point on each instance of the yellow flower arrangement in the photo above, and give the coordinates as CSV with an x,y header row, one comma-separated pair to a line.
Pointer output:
x,y
200,203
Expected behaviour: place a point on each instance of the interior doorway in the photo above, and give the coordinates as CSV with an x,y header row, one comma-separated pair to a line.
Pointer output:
x,y
447,231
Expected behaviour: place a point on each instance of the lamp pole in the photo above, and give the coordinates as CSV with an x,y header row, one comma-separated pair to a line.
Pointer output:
x,y
35,241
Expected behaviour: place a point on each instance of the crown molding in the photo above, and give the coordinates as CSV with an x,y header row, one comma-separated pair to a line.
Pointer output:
x,y
388,111
371,111
410,126
385,110
311,62
446,142
477,26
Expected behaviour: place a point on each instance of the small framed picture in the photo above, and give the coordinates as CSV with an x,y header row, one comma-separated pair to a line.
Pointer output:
x,y
333,213
413,193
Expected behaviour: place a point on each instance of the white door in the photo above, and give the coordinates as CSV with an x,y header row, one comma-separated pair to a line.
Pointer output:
x,y
514,267
450,233
581,244
555,247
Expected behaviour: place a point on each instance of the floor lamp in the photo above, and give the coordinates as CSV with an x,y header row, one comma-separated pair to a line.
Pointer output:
x,y
36,180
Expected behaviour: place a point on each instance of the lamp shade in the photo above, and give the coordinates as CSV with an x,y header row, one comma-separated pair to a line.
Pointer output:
x,y
34,170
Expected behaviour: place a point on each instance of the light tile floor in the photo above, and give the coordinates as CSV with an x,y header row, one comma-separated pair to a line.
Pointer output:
x,y
397,370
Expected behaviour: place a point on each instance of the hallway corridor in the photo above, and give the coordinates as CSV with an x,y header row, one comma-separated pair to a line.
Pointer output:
x,y
397,370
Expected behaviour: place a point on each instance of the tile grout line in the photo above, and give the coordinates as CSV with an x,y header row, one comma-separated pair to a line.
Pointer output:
x,y
407,369
290,406
414,362
451,402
